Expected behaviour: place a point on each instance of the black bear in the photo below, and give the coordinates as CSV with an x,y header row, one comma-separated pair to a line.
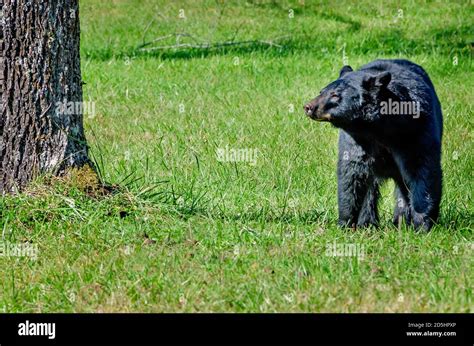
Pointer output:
x,y
391,126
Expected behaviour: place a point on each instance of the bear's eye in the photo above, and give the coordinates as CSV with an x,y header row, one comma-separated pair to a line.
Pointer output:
x,y
334,98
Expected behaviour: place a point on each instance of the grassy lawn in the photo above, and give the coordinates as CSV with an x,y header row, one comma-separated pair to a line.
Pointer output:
x,y
189,232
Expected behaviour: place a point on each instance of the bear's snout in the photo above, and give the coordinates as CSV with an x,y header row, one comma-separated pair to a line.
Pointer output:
x,y
311,108
308,109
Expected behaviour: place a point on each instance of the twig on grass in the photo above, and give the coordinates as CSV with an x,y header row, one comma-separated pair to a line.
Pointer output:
x,y
204,45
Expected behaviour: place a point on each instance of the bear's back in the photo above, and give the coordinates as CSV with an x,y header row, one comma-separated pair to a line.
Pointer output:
x,y
400,69
408,77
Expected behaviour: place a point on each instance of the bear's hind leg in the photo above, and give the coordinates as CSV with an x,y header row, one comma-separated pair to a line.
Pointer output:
x,y
402,205
425,199
424,185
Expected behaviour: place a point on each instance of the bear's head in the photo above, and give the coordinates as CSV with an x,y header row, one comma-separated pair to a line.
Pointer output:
x,y
350,101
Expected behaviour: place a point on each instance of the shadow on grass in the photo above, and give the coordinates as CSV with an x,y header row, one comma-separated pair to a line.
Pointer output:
x,y
455,219
193,201
301,217
392,41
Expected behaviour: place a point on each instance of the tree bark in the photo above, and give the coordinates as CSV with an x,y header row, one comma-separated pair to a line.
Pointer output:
x,y
41,129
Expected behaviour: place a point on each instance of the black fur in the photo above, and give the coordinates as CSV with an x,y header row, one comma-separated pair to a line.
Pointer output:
x,y
373,145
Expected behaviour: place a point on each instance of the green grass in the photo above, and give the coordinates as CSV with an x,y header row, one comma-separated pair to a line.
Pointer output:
x,y
190,233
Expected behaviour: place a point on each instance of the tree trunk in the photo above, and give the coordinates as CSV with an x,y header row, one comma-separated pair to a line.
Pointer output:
x,y
41,128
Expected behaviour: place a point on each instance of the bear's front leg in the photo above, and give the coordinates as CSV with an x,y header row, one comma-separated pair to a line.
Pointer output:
x,y
368,215
354,180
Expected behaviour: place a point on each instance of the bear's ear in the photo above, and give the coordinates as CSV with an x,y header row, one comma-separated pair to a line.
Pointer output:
x,y
379,81
344,70
382,79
